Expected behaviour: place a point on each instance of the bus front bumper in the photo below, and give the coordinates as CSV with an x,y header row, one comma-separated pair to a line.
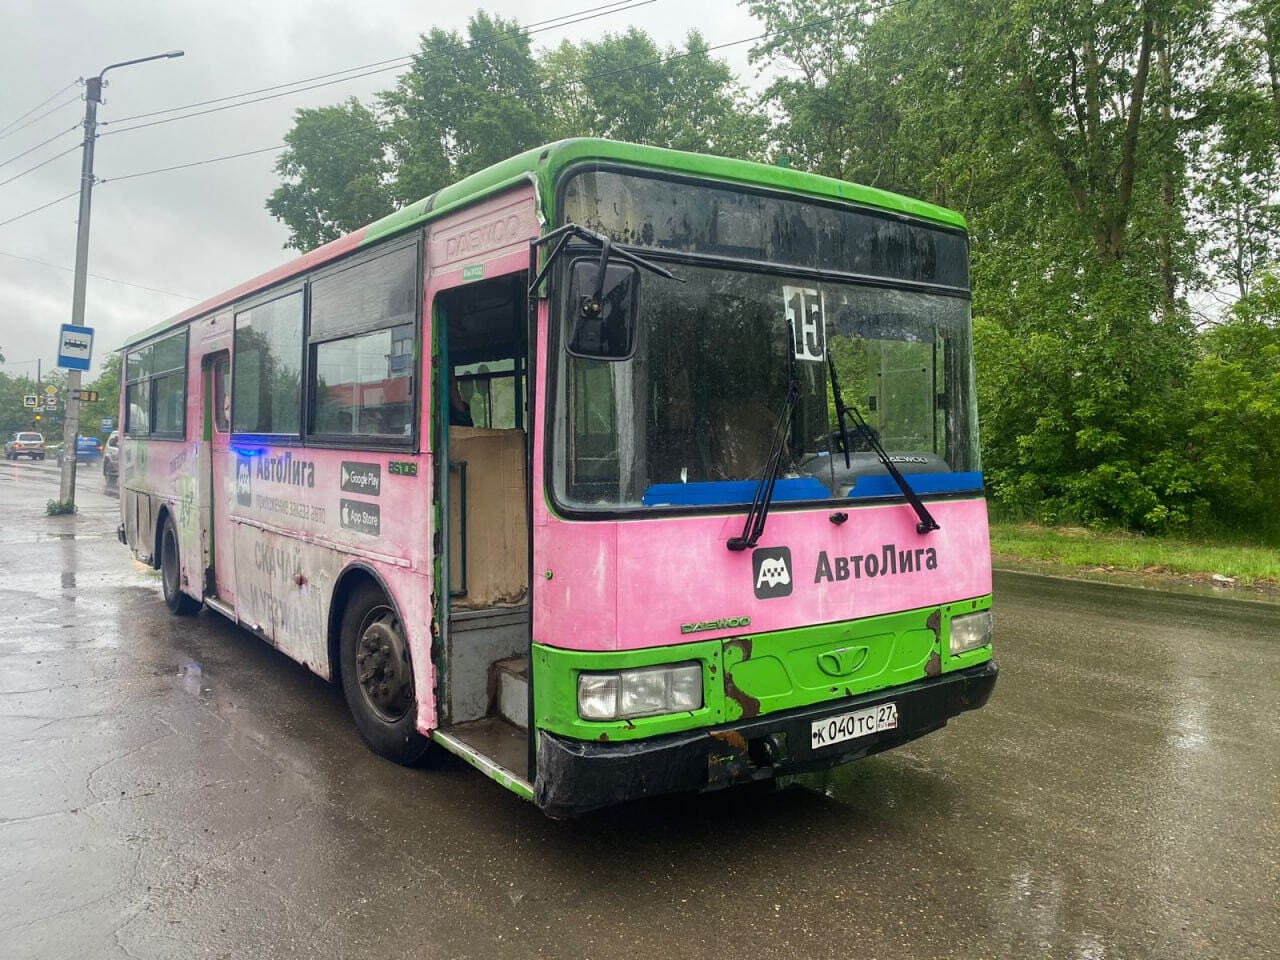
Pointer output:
x,y
575,776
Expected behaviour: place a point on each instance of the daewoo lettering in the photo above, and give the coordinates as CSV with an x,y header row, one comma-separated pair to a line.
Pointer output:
x,y
483,237
724,623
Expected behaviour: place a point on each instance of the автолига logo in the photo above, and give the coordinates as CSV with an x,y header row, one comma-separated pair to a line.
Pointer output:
x,y
771,572
244,482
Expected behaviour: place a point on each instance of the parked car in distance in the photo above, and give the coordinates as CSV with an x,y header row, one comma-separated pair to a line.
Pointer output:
x,y
87,448
25,443
111,457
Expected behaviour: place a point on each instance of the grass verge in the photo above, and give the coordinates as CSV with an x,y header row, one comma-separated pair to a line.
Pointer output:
x,y
1077,550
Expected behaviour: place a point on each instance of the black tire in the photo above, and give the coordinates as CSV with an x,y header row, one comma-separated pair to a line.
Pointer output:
x,y
171,573
377,676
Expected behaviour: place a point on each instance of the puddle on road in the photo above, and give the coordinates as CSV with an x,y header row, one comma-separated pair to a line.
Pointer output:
x,y
875,784
191,677
48,537
68,580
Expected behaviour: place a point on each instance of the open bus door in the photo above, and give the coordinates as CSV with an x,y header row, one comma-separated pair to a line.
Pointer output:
x,y
221,480
480,410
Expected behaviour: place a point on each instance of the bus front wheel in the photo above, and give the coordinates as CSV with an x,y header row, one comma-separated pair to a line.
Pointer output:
x,y
171,573
377,676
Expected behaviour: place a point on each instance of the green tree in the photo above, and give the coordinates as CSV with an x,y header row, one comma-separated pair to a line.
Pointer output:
x,y
1236,433
1055,126
1239,190
467,102
625,87
463,105
835,116
15,416
335,174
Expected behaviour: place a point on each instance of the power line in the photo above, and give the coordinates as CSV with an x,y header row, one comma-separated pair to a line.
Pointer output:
x,y
98,276
807,25
65,103
633,4
42,206
193,163
578,79
403,59
57,93
18,176
130,176
658,61
18,156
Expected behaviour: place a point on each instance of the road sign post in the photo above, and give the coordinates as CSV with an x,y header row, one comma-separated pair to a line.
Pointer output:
x,y
75,352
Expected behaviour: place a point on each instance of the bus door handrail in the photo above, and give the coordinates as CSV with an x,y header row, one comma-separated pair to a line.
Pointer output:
x,y
461,467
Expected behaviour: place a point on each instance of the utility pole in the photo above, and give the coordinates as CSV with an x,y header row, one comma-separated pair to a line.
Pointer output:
x,y
71,422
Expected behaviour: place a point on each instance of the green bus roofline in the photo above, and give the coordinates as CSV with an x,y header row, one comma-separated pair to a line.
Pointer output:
x,y
544,164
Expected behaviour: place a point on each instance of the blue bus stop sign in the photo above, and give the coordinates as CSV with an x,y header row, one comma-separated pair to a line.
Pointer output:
x,y
75,347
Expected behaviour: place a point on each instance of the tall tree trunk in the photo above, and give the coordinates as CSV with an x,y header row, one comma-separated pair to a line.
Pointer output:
x,y
1164,240
1129,153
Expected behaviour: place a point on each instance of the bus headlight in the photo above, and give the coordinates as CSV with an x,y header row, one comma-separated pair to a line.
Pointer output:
x,y
970,631
643,692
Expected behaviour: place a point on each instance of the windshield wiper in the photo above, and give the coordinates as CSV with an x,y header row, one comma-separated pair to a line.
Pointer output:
x,y
759,512
841,412
927,523
607,249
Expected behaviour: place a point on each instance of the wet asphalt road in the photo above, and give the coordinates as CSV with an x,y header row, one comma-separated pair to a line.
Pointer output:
x,y
174,788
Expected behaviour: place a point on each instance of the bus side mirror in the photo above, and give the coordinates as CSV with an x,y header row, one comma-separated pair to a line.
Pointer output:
x,y
603,309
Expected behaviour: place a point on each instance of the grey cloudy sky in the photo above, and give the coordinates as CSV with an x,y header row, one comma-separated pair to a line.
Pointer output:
x,y
198,231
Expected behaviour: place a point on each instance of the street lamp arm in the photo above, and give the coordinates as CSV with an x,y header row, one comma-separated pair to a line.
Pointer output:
x,y
128,63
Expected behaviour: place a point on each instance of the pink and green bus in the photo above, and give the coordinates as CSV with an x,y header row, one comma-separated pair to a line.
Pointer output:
x,y
617,471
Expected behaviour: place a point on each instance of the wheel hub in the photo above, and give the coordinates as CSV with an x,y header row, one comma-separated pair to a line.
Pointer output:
x,y
382,667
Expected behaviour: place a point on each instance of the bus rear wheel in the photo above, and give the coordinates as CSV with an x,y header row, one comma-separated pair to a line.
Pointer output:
x,y
377,676
171,573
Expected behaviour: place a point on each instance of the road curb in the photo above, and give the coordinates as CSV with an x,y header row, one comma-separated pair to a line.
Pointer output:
x,y
1188,590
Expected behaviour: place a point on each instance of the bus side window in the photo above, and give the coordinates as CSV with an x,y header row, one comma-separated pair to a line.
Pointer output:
x,y
156,388
363,340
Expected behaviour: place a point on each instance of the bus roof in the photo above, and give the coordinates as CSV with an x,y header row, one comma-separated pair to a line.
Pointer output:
x,y
542,165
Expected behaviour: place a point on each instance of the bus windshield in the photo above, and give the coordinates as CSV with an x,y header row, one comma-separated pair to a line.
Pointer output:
x,y
688,419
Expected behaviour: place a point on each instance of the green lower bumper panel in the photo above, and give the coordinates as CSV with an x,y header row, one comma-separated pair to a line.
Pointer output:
x,y
757,675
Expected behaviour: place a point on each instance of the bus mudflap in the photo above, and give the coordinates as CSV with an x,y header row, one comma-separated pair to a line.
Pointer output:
x,y
577,776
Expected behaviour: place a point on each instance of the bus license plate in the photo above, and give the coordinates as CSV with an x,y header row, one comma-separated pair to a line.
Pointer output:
x,y
851,726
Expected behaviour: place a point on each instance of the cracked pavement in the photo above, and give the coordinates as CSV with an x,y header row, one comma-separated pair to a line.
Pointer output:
x,y
175,788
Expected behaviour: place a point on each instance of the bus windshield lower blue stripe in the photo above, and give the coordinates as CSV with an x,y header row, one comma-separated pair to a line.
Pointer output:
x,y
804,488
882,485
731,491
